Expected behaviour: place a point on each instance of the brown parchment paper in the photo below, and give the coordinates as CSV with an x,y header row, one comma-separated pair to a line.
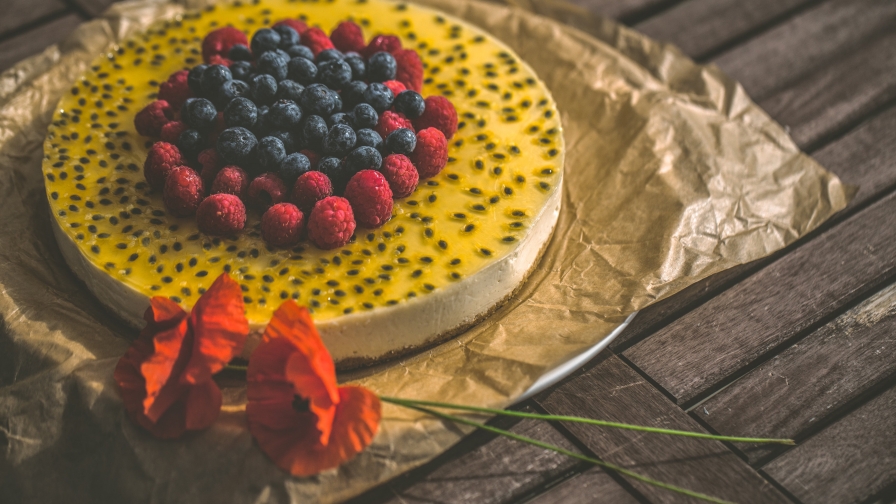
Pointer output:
x,y
672,174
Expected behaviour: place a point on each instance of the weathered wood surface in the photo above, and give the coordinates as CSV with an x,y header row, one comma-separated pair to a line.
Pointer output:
x,y
35,40
592,486
18,15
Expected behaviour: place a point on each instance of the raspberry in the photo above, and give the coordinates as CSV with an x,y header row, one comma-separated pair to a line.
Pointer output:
x,y
150,120
390,121
331,223
410,69
218,42
310,188
160,160
370,197
431,153
316,40
220,60
347,37
439,114
387,43
221,215
211,164
183,191
267,189
395,86
401,175
172,130
281,225
231,180
312,156
296,24
175,90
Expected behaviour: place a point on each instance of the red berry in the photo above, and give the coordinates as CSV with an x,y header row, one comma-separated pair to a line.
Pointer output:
x,y
175,90
219,60
160,160
218,42
440,114
312,156
395,86
221,215
171,131
231,180
431,153
150,120
387,43
316,40
210,164
281,225
310,188
267,189
348,37
331,223
409,69
390,121
183,191
296,24
401,175
370,197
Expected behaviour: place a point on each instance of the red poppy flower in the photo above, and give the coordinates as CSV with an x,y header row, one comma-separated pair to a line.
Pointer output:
x,y
165,377
296,412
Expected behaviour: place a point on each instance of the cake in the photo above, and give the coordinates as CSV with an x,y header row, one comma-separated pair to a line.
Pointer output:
x,y
452,252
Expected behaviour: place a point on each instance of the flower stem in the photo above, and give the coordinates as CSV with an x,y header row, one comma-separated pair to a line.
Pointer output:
x,y
557,449
236,367
602,423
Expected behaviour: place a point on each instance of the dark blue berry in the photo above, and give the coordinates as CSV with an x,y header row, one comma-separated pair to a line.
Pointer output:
x,y
273,63
401,141
292,167
261,124
239,52
241,111
353,93
317,99
340,118
363,158
213,77
284,114
200,114
237,146
271,152
364,116
264,89
334,74
332,168
381,67
301,70
329,55
241,70
288,36
409,103
300,51
314,132
191,143
194,79
264,39
230,90
289,90
358,66
288,139
340,140
378,96
337,101
369,138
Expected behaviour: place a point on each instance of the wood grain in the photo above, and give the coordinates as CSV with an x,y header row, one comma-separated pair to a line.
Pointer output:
x,y
622,9
592,486
847,462
610,390
34,41
18,13
93,7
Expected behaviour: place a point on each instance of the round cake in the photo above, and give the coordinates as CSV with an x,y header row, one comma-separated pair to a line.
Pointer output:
x,y
455,249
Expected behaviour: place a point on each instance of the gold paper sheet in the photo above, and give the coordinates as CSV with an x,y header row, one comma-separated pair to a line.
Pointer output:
x,y
673,174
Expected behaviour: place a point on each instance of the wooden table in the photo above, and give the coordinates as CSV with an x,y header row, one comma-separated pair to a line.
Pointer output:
x,y
800,344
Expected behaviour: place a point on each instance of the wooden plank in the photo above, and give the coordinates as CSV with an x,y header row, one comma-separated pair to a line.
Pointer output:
x,y
847,462
700,27
622,9
33,41
610,390
812,39
94,7
812,379
592,486
18,13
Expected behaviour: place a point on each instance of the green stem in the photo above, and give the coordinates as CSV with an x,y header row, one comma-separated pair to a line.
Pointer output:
x,y
561,418
558,449
236,367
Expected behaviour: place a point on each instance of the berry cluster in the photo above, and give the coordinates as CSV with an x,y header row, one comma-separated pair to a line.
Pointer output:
x,y
318,133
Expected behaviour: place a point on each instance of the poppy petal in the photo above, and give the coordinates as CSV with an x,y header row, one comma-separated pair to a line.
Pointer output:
x,y
167,328
315,378
203,403
220,327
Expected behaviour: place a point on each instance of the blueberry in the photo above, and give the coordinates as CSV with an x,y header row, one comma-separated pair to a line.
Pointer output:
x,y
358,66
273,63
401,141
191,143
314,132
289,90
230,90
294,165
363,158
288,139
284,114
340,118
364,116
334,74
318,100
409,103
353,93
337,101
288,36
261,124
378,96
241,70
329,55
301,70
239,52
300,51
271,153
381,67
340,140
264,39
237,146
241,111
213,77
194,79
369,138
200,114
264,89
332,168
